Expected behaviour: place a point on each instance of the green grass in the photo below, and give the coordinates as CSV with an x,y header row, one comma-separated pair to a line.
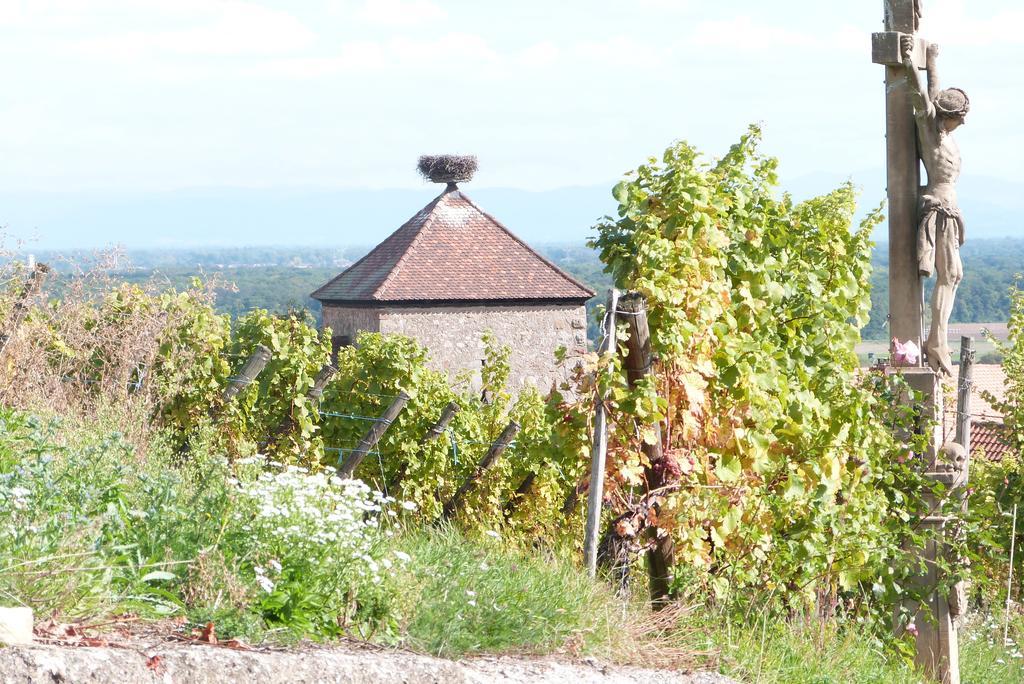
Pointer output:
x,y
813,652
481,595
984,659
816,652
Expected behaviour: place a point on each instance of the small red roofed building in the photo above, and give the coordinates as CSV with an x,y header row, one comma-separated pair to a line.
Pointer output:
x,y
453,272
987,429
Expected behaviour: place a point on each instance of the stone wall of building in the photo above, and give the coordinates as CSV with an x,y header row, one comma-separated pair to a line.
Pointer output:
x,y
347,322
453,335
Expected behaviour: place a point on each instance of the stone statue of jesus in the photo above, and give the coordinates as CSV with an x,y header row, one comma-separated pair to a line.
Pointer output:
x,y
941,228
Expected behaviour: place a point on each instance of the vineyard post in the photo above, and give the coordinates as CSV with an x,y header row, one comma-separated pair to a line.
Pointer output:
x,y
435,431
253,366
488,461
369,441
20,311
963,394
599,450
638,363
323,377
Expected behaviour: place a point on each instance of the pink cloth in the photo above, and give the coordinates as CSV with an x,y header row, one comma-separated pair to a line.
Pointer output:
x,y
905,353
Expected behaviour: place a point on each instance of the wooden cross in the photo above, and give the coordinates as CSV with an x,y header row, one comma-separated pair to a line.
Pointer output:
x,y
906,308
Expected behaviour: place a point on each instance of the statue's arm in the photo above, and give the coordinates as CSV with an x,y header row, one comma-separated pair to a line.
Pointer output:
x,y
923,107
933,71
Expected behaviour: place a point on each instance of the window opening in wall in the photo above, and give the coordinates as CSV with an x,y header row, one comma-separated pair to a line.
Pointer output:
x,y
337,342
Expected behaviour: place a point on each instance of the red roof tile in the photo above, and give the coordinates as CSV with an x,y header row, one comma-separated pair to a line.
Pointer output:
x,y
991,378
451,250
989,438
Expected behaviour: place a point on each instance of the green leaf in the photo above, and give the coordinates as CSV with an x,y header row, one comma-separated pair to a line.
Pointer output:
x,y
621,192
729,468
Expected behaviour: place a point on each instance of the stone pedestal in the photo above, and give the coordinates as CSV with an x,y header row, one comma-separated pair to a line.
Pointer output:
x,y
936,638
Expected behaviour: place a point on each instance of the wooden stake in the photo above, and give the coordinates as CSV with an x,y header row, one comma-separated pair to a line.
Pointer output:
x,y
599,448
438,428
965,379
253,366
323,377
435,431
638,363
1009,579
517,496
488,461
380,426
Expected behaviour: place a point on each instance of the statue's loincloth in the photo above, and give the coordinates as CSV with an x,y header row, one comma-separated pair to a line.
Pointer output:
x,y
939,236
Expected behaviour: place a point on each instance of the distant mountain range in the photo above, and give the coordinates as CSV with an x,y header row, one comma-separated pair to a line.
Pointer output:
x,y
333,217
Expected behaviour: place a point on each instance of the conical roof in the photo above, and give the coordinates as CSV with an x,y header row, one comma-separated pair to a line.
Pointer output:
x,y
452,251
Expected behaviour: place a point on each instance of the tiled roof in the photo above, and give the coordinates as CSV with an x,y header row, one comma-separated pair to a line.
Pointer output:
x,y
451,250
991,378
988,437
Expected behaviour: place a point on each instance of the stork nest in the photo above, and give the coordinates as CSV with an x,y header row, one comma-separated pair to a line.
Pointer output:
x,y
447,168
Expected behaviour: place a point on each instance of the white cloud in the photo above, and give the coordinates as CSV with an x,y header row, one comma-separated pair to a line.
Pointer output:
x,y
950,22
451,50
191,27
241,27
400,12
670,5
11,12
852,39
622,51
742,34
539,54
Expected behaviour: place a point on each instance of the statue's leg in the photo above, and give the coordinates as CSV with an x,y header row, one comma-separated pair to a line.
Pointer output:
x,y
948,273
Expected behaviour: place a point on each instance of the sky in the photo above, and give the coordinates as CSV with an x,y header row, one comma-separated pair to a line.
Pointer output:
x,y
164,95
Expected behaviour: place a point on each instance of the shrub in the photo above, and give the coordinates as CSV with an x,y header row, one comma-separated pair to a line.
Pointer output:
x,y
781,471
314,546
86,527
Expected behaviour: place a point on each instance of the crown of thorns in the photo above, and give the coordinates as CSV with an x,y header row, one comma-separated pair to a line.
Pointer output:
x,y
952,102
447,168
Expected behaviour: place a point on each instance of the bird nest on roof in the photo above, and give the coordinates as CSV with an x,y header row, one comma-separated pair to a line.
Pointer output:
x,y
447,168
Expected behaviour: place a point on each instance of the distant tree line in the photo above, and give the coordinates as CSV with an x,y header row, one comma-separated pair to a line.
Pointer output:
x,y
281,278
204,258
990,267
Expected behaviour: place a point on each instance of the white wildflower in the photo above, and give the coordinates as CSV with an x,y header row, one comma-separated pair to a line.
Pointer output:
x,y
266,584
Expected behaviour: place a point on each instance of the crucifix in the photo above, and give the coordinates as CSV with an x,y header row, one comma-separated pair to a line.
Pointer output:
x,y
926,228
925,234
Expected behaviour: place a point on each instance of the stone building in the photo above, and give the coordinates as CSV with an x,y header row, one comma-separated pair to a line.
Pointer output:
x,y
449,274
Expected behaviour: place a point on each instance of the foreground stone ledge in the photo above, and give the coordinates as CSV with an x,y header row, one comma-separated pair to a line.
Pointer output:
x,y
198,664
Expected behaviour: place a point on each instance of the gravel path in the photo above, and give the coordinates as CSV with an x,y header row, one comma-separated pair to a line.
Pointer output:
x,y
203,664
